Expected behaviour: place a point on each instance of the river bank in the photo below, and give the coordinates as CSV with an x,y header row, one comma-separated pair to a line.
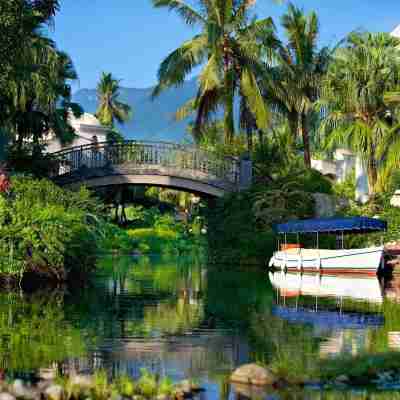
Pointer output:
x,y
97,387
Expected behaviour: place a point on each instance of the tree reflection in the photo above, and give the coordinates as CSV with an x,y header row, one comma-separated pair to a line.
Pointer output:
x,y
35,333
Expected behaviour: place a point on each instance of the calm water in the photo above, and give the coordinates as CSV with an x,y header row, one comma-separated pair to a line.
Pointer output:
x,y
184,319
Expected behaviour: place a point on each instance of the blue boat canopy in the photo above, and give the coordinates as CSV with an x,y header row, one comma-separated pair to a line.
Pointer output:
x,y
332,225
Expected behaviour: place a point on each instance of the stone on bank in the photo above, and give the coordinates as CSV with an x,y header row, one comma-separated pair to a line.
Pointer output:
x,y
253,374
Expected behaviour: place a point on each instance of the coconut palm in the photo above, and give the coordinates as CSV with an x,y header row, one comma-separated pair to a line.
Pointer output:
x,y
36,95
358,113
110,109
228,47
293,83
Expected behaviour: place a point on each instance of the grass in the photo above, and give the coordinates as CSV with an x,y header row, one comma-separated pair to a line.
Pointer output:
x,y
154,240
148,386
362,369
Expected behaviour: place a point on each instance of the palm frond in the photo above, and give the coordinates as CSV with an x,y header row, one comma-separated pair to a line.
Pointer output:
x,y
251,91
174,69
184,10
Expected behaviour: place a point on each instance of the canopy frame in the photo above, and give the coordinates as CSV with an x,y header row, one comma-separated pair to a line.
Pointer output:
x,y
348,225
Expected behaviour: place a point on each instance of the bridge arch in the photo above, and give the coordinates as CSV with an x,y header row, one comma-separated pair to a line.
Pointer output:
x,y
182,167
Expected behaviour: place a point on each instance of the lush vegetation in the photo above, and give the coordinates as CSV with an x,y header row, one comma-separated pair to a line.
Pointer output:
x,y
321,98
110,108
241,225
159,233
35,92
359,114
52,232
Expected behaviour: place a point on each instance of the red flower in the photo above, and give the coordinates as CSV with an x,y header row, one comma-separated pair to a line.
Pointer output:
x,y
5,183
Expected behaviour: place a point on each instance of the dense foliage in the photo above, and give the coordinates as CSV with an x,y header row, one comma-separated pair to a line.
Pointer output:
x,y
110,108
35,92
228,47
358,114
241,225
51,231
157,233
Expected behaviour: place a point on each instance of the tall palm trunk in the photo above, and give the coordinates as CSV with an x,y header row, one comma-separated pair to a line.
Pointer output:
x,y
260,136
306,141
229,125
293,121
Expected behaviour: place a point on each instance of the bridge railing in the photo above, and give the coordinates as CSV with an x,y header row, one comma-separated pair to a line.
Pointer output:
x,y
141,154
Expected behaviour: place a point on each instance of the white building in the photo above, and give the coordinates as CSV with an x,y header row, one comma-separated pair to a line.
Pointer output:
x,y
342,165
88,129
396,32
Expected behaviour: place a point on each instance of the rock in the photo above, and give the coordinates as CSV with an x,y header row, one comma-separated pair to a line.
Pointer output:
x,y
18,389
185,386
342,380
6,396
84,381
43,385
251,391
253,374
47,374
395,200
54,392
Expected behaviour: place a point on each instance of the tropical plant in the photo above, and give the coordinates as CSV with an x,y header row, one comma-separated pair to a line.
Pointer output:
x,y
229,47
45,229
110,108
357,113
52,232
35,95
292,84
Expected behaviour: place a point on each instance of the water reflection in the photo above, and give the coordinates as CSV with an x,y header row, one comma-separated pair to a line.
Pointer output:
x,y
34,332
184,319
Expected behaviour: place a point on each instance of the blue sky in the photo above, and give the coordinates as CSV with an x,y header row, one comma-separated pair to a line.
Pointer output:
x,y
130,38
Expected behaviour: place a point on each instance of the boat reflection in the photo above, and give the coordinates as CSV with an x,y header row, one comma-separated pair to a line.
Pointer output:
x,y
344,310
337,286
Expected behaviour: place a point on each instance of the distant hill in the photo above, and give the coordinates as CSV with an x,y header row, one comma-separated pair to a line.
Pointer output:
x,y
152,119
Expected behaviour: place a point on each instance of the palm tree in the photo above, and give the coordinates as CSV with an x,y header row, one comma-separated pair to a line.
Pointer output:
x,y
39,95
35,95
358,113
293,84
110,109
228,47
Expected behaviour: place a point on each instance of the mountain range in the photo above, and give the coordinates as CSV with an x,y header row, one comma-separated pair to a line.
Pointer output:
x,y
151,119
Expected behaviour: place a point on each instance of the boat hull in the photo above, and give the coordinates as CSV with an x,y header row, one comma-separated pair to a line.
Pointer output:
x,y
367,260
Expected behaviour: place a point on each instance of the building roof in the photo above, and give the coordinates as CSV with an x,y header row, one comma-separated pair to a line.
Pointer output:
x,y
396,32
85,119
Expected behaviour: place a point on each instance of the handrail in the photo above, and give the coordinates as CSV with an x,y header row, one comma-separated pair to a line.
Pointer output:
x,y
145,142
132,154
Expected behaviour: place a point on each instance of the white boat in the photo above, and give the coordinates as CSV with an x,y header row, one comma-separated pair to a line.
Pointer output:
x,y
367,260
294,257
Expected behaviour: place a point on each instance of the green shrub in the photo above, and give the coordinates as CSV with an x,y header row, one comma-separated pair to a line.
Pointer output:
x,y
53,231
241,224
154,240
40,224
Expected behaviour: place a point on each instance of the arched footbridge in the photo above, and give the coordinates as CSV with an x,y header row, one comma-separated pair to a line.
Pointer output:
x,y
182,167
